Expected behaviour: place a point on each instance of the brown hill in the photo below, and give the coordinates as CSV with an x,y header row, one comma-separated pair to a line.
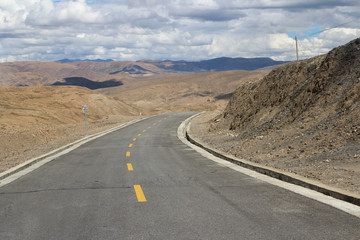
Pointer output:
x,y
196,91
117,67
34,120
303,117
42,73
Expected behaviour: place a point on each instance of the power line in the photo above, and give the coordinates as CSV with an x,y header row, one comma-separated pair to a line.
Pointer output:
x,y
327,29
314,33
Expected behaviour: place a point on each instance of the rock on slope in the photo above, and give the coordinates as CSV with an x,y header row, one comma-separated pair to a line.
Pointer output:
x,y
303,116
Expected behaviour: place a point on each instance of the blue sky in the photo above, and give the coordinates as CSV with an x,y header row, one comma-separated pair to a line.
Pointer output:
x,y
48,30
312,32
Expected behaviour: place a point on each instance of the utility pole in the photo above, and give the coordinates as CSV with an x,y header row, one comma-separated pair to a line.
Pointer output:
x,y
297,49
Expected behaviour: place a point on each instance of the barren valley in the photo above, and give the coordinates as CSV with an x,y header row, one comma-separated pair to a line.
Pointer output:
x,y
37,119
184,92
302,117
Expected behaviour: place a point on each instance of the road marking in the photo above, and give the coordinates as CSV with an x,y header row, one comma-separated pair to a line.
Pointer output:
x,y
139,193
130,145
134,139
165,118
128,154
160,121
139,134
149,127
154,124
32,164
130,167
144,130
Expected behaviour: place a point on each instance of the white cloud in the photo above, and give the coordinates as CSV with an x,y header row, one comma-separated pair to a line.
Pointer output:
x,y
100,51
181,29
46,12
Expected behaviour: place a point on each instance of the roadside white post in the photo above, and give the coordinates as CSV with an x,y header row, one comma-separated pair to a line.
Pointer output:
x,y
85,108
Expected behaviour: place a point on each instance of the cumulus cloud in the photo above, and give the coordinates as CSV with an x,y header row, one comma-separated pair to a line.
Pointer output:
x,y
49,30
62,13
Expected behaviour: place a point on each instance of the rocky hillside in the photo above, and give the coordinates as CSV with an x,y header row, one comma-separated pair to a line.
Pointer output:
x,y
303,116
320,90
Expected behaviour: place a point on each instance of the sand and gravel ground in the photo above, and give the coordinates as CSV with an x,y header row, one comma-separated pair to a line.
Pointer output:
x,y
284,149
23,143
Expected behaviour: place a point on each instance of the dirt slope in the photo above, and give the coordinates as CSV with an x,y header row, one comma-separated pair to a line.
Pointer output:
x,y
303,117
34,120
182,92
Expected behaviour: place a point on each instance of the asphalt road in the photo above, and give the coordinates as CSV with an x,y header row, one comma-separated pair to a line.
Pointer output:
x,y
168,192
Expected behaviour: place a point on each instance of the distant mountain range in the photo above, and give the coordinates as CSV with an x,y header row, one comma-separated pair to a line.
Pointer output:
x,y
215,65
66,60
212,65
113,73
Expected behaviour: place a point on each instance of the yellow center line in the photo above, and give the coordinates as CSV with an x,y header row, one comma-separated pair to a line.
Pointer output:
x,y
128,154
139,193
149,127
134,139
154,124
130,167
144,130
130,145
139,134
160,121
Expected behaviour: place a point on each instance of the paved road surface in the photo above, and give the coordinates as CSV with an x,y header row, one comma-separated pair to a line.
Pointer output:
x,y
168,192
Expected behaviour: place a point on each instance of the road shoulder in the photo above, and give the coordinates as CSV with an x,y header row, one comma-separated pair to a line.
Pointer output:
x,y
337,198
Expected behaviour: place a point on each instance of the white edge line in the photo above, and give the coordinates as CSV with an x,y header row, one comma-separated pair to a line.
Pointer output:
x,y
336,203
20,170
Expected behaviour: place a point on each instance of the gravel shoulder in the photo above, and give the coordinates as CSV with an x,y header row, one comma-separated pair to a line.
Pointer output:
x,y
338,168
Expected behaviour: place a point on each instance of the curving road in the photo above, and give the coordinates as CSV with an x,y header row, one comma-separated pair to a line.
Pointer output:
x,y
142,182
